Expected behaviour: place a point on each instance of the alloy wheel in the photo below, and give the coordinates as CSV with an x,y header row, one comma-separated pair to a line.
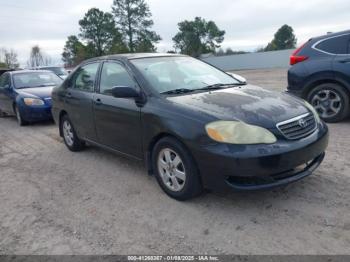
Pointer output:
x,y
327,103
68,133
171,170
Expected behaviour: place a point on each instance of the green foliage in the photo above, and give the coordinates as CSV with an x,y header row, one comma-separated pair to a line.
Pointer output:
x,y
229,51
198,37
99,34
99,37
98,30
74,52
284,39
133,19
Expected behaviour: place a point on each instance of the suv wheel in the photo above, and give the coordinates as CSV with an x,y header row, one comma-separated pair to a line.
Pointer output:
x,y
70,137
331,102
175,170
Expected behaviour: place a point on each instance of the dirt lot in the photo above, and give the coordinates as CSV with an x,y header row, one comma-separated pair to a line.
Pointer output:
x,y
94,202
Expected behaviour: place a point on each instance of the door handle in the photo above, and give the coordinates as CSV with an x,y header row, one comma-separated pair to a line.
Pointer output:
x,y
68,95
98,102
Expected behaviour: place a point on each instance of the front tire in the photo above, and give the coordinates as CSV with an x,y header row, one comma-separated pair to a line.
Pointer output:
x,y
70,137
19,117
175,170
331,101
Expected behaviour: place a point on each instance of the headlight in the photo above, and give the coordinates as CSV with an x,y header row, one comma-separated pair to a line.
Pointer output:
x,y
313,110
233,132
33,102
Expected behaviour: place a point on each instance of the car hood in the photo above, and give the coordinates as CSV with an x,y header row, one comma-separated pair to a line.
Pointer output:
x,y
41,92
250,104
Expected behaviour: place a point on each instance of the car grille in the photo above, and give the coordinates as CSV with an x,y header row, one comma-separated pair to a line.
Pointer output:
x,y
298,127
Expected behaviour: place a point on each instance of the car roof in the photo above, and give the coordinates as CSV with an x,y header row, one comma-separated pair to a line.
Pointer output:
x,y
43,67
331,35
130,56
28,71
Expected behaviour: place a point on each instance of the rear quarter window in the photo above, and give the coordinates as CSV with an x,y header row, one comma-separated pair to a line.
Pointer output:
x,y
336,45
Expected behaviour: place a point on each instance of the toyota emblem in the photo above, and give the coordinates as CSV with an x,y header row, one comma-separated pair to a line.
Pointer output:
x,y
303,123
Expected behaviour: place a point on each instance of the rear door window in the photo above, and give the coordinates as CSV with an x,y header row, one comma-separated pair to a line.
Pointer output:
x,y
336,45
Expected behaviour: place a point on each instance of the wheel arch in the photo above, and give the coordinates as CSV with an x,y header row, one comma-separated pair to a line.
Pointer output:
x,y
62,113
154,141
14,104
318,82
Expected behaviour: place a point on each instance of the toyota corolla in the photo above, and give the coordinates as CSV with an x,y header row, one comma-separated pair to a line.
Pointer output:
x,y
194,126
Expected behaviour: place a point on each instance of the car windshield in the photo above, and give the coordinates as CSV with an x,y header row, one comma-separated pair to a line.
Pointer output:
x,y
35,79
176,74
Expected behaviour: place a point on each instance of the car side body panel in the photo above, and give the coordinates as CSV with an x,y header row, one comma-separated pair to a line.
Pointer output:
x,y
183,117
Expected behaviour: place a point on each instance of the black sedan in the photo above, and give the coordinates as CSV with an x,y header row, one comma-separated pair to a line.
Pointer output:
x,y
193,125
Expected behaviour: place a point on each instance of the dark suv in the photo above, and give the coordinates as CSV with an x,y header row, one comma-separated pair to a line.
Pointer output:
x,y
320,73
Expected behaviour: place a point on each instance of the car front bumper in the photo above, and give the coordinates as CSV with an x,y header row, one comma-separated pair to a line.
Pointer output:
x,y
33,114
258,167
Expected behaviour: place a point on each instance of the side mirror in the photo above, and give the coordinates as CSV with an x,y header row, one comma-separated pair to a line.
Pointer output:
x,y
238,77
124,92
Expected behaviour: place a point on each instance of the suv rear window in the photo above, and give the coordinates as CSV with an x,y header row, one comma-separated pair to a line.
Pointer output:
x,y
336,45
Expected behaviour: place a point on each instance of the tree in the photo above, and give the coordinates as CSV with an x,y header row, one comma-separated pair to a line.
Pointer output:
x,y
118,46
11,60
2,57
8,58
98,30
220,52
133,19
284,39
38,58
74,52
229,51
198,37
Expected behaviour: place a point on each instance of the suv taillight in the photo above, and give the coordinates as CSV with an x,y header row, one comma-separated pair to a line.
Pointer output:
x,y
295,58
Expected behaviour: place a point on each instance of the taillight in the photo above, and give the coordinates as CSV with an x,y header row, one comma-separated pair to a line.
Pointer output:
x,y
295,58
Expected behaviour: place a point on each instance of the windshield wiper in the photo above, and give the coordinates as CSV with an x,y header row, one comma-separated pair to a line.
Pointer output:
x,y
178,91
217,86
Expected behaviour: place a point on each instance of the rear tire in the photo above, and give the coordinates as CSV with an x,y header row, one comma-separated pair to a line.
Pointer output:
x,y
19,117
175,170
331,102
70,137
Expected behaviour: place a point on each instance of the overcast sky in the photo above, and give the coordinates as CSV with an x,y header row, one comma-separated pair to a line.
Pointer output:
x,y
248,23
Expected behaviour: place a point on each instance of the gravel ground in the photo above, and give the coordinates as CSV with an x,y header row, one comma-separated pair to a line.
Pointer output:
x,y
57,202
